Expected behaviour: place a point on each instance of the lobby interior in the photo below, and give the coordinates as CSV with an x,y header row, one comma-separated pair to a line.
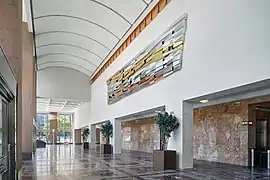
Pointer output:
x,y
71,69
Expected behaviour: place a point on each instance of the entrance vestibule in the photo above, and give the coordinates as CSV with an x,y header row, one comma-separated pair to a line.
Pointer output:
x,y
140,135
259,134
7,121
236,132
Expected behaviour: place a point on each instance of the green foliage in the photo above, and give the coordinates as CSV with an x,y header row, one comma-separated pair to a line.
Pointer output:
x,y
64,123
62,126
85,134
107,131
167,124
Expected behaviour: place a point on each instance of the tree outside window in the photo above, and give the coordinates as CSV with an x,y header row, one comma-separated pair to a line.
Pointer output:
x,y
64,129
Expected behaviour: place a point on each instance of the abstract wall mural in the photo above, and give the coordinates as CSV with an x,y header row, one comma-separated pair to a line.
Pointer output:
x,y
158,60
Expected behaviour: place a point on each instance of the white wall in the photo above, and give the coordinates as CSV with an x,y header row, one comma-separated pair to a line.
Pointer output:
x,y
26,14
63,83
82,116
227,45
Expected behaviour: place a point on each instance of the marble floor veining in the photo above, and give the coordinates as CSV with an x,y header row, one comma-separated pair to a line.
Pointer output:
x,y
67,162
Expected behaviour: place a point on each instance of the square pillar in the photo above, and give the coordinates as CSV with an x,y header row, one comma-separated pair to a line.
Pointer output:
x,y
182,139
53,127
93,134
77,136
186,140
116,139
98,135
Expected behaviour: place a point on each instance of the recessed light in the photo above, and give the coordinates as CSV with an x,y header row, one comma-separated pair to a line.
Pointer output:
x,y
204,101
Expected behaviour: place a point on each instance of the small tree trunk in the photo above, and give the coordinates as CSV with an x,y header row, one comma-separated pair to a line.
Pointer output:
x,y
166,143
107,140
162,141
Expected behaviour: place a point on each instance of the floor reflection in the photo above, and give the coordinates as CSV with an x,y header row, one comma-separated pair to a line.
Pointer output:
x,y
66,162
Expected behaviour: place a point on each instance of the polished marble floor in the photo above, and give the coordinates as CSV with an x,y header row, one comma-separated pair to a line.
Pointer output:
x,y
66,162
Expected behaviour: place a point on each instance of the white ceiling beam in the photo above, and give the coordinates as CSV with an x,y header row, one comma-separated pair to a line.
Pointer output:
x,y
27,14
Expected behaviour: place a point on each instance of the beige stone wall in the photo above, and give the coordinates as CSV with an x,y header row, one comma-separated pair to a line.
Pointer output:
x,y
28,70
140,135
219,134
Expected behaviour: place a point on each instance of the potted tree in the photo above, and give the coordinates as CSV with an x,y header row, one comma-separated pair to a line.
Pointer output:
x,y
85,135
107,131
165,159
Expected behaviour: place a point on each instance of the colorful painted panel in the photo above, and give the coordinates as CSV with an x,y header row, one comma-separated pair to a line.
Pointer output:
x,y
158,60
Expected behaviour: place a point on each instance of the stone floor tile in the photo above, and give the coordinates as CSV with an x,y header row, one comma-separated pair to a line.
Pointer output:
x,y
68,162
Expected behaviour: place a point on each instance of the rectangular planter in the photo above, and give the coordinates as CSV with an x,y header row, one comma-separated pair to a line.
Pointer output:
x,y
86,145
106,149
163,160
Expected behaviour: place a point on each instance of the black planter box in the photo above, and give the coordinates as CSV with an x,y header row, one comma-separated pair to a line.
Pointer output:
x,y
86,145
40,144
106,149
163,160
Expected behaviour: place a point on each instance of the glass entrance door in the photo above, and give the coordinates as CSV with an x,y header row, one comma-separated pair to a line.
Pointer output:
x,y
8,88
4,146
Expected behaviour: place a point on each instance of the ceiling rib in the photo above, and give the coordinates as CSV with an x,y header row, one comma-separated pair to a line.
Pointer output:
x,y
65,18
70,45
120,40
112,56
77,18
65,54
144,2
64,62
110,9
73,33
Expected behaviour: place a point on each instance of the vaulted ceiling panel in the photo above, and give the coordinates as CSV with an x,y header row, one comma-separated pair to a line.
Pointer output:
x,y
70,50
55,39
80,34
83,9
130,9
61,23
69,58
74,66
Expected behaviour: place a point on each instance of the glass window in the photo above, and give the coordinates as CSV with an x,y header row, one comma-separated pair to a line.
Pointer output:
x,y
64,128
43,127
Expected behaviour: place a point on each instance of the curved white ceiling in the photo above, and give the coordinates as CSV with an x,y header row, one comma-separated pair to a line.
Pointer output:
x,y
80,34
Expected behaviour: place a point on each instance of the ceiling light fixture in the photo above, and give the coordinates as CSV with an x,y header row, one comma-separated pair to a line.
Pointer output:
x,y
204,101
